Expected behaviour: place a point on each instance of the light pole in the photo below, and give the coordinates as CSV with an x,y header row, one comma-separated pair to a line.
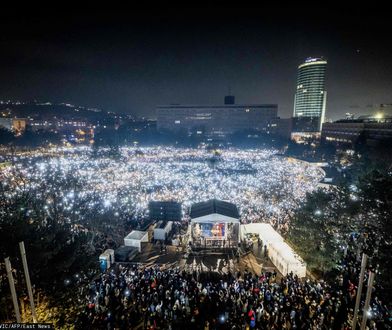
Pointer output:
x,y
359,291
28,282
12,287
367,301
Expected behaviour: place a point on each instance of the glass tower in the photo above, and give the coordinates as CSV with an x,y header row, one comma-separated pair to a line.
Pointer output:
x,y
311,96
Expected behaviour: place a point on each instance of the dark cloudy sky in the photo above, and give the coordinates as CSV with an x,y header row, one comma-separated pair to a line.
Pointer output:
x,y
131,61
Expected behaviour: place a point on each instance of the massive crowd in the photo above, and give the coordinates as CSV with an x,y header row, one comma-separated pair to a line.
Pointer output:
x,y
131,297
265,186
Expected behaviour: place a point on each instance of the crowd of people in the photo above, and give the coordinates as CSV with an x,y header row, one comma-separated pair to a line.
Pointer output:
x,y
265,186
134,297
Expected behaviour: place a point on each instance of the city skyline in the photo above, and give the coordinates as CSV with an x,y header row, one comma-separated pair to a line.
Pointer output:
x,y
133,62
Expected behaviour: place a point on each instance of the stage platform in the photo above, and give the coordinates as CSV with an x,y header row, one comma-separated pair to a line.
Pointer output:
x,y
197,251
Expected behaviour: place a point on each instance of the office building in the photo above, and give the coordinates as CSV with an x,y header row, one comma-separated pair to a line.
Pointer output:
x,y
216,120
281,127
229,99
310,97
369,130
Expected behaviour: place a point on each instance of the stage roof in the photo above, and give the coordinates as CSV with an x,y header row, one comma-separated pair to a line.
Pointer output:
x,y
214,206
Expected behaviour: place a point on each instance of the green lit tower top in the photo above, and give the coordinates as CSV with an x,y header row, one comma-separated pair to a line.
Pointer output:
x,y
311,96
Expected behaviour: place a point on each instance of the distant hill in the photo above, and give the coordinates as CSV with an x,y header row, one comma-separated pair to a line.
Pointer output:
x,y
39,111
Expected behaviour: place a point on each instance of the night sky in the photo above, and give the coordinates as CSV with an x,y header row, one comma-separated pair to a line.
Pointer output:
x,y
131,61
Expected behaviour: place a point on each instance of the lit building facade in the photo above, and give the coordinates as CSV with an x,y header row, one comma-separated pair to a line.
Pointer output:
x,y
74,130
310,97
370,130
216,120
16,125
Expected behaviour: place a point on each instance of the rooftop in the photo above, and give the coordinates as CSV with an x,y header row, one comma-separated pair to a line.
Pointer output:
x,y
234,106
136,234
367,119
162,224
312,61
214,206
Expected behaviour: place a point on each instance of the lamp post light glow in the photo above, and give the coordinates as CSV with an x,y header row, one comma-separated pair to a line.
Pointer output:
x,y
318,212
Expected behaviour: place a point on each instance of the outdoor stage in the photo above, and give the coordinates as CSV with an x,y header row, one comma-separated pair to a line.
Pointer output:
x,y
214,226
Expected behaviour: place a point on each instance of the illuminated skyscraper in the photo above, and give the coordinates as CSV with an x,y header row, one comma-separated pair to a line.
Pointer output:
x,y
311,96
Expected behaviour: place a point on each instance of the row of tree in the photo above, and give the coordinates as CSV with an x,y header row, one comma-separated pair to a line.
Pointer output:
x,y
63,232
328,221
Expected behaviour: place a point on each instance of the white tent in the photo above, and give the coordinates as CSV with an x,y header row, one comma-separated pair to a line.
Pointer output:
x,y
266,233
286,260
281,254
135,239
162,230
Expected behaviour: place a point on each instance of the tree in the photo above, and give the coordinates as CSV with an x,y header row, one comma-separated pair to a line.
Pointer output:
x,y
322,226
6,136
311,234
40,217
325,221
326,150
38,138
375,189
